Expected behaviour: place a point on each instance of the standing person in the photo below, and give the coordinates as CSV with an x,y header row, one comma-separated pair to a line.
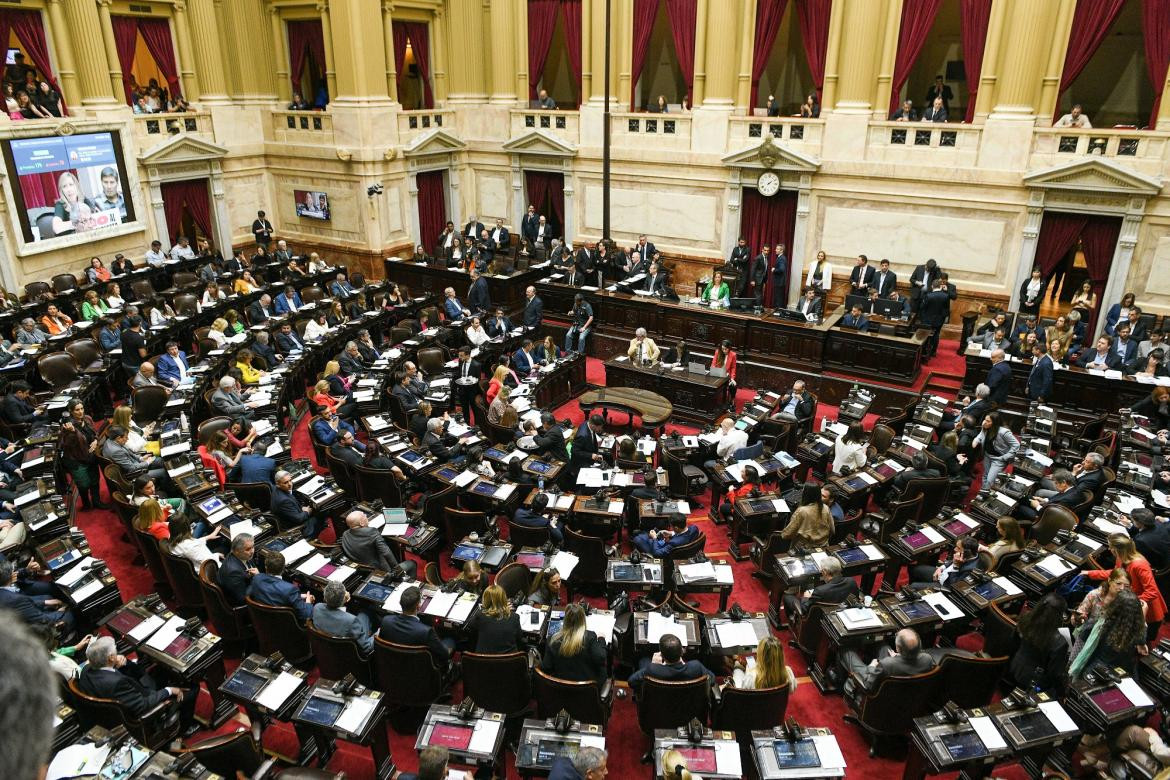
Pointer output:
x,y
1040,377
757,274
999,446
778,299
861,277
1032,293
1085,301
724,357
940,90
933,312
582,316
1141,581
820,274
262,230
922,281
79,442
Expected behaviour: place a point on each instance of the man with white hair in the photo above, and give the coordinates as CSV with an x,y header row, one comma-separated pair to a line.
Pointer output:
x,y
290,512
452,307
642,349
28,690
999,378
282,254
588,764
109,675
228,401
330,617
367,546
259,312
797,404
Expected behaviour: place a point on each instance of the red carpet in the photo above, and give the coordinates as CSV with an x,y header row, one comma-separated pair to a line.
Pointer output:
x,y
627,743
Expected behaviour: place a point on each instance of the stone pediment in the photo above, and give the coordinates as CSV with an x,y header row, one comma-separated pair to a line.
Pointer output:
x,y
182,149
768,155
540,142
433,142
1098,176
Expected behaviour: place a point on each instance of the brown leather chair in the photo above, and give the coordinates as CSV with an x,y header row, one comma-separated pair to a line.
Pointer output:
x,y
153,729
188,595
338,656
115,478
312,293
763,554
341,471
585,701
668,704
232,624
589,573
88,354
185,305
515,578
126,513
807,630
57,369
277,629
229,753
1053,518
498,681
148,402
377,484
1000,637
154,564
210,427
142,289
399,334
970,681
745,710
881,526
431,360
432,574
33,290
891,707
458,523
881,438
407,675
257,495
64,282
527,536
685,480
182,280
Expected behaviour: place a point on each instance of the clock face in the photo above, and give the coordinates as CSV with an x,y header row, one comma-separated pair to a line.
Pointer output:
x,y
768,184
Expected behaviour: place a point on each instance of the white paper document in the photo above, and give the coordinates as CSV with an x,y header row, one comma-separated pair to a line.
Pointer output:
x,y
276,693
727,760
1054,566
733,634
441,604
860,617
657,625
167,634
1058,717
601,623
988,733
564,562
313,564
147,627
483,737
353,717
1134,692
697,571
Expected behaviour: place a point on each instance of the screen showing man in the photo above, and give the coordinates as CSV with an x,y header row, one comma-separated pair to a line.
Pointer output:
x,y
69,185
312,205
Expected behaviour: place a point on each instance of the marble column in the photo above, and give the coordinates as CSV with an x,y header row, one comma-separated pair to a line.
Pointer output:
x,y
358,49
280,47
1163,118
888,55
988,78
832,59
587,50
247,32
1059,29
1031,234
465,26
66,69
623,50
330,60
747,32
593,47
570,202
1131,225
388,35
798,251
520,38
160,215
412,190
699,66
223,223
439,68
93,67
861,44
208,52
503,55
723,23
184,52
1027,36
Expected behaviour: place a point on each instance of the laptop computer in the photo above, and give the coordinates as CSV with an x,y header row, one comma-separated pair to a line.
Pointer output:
x,y
716,371
696,368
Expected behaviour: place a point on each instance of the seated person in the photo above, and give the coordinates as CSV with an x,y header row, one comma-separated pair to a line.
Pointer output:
x,y
270,588
33,605
919,469
766,669
534,517
855,319
834,588
797,404
407,629
432,765
906,659
109,675
659,544
495,625
1067,494
811,524
642,348
331,618
546,589
326,429
368,547
1102,357
668,664
575,653
964,558
471,579
444,447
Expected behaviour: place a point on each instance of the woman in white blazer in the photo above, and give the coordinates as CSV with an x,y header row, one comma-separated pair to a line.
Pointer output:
x,y
820,273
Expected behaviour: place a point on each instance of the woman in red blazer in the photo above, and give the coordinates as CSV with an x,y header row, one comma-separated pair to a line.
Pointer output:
x,y
1141,581
724,358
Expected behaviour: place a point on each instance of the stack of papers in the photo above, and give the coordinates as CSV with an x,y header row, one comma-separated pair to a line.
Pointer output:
x,y
657,625
564,562
693,572
1054,566
733,634
276,692
860,617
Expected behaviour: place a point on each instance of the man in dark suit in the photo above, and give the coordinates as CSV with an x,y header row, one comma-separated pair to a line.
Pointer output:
x,y
796,404
447,241
528,225
935,112
499,326
1125,346
1138,330
661,543
667,664
810,304
287,340
262,349
1067,494
906,659
940,89
347,448
350,360
403,393
467,375
922,281
885,281
33,610
478,298
919,469
855,319
270,588
15,407
741,255
367,546
407,629
757,274
500,237
1103,357
905,113
1151,537
288,302
999,378
289,511
833,589
861,277
486,248
779,299
933,312
236,570
586,445
533,309
534,517
259,311
550,440
654,281
1040,377
108,675
472,229
441,445
646,250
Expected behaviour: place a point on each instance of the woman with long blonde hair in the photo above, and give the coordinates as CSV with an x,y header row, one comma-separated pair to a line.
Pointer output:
x,y
124,418
768,671
496,626
575,653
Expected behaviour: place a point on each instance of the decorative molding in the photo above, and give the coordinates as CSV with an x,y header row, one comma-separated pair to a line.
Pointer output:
x,y
767,155
435,142
539,142
1094,178
344,154
182,149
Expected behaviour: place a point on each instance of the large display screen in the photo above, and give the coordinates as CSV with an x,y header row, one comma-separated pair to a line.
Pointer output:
x,y
313,205
69,185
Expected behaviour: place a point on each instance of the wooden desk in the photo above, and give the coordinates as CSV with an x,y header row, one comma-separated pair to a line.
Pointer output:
x,y
896,358
506,291
654,410
694,396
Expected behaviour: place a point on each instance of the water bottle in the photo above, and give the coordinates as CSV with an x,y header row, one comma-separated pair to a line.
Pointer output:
x,y
540,483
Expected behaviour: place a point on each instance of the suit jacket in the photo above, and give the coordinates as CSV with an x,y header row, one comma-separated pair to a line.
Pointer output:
x,y
1126,354
999,379
434,444
861,322
136,698
342,289
884,283
806,307
440,243
921,281
265,352
350,364
895,666
740,256
861,275
562,769
324,433
529,519
367,546
523,361
661,547
552,443
281,304
289,342
478,297
931,115
130,464
233,579
528,227
758,271
287,509
587,664
1089,356
338,622
498,328
16,410
903,479
409,630
901,113
231,404
503,242
349,455
257,314
496,635
408,399
168,367
27,608
935,308
1090,480
584,448
804,407
533,312
834,591
272,590
1040,378
680,671
467,230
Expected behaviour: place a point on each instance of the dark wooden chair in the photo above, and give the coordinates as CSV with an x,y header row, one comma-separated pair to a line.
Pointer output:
x,y
764,551
668,704
408,676
212,426
277,629
498,681
890,708
152,554
154,729
527,536
257,495
589,573
57,369
881,526
432,360
377,484
188,594
458,523
514,578
880,439
64,282
745,710
807,631
148,403
432,574
88,354
1000,637
970,681
1052,519
231,623
228,753
338,656
685,480
585,701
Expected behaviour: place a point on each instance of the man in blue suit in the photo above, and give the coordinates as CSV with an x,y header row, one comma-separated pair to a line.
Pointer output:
x,y
287,340
533,309
522,359
999,378
667,664
173,365
499,326
478,297
269,588
855,319
1040,377
407,629
661,543
288,510
1103,357
289,301
341,288
452,306
331,618
1125,347
328,430
534,518
30,609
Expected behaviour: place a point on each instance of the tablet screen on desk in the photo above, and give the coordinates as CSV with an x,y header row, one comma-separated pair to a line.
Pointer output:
x,y
539,467
447,473
375,591
626,572
548,750
699,759
964,745
761,505
801,754
410,456
467,552
1033,726
1111,700
322,711
178,646
852,555
484,489
244,684
448,736
531,560
989,590
493,452
856,483
914,610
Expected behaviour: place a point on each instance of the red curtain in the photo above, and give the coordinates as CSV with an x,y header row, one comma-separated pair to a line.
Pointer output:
x,y
644,13
305,38
683,15
974,16
192,195
432,209
813,16
125,41
399,50
917,19
417,34
1091,23
157,34
769,221
540,185
571,19
30,31
769,14
1099,240
1058,233
542,22
1156,29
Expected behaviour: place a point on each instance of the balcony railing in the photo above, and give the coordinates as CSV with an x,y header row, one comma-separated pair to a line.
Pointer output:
x,y
797,133
302,127
565,125
652,131
151,128
414,123
1146,151
923,142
